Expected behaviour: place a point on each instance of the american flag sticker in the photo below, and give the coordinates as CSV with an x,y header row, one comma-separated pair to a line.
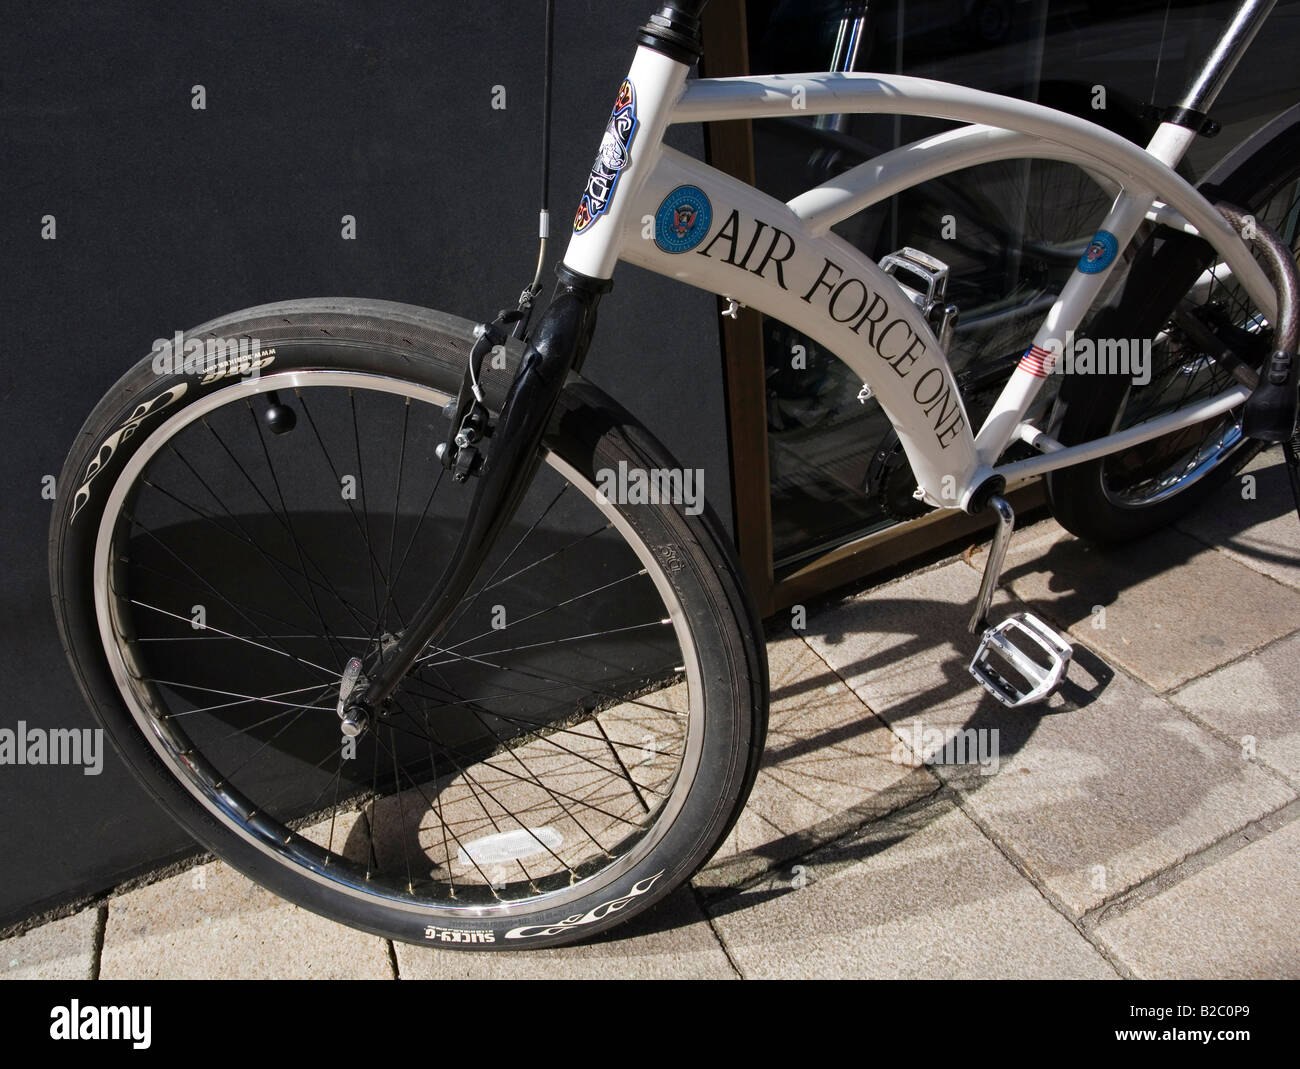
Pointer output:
x,y
1037,361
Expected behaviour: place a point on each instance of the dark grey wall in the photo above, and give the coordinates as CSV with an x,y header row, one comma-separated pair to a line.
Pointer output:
x,y
167,216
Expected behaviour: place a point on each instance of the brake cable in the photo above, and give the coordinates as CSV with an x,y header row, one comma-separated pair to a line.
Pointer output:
x,y
469,417
544,215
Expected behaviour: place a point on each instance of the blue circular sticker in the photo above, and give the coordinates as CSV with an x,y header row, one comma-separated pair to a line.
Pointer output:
x,y
1099,254
683,219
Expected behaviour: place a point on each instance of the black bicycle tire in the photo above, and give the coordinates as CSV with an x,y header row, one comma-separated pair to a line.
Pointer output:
x,y
588,430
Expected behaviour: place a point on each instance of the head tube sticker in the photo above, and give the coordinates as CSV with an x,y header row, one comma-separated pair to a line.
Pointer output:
x,y
1100,253
614,156
683,219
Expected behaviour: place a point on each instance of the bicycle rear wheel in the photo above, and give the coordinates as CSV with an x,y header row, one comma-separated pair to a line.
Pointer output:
x,y
1175,276
573,748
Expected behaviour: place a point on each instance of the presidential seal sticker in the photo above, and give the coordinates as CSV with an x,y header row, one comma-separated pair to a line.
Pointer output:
x,y
614,156
1100,253
683,219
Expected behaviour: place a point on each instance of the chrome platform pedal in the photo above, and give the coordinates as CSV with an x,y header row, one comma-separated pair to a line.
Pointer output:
x,y
1021,646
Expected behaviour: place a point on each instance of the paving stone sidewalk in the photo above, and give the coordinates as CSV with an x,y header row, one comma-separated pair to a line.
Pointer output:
x,y
1141,824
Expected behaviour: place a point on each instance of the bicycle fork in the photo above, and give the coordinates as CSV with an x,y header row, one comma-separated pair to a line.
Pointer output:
x,y
558,346
669,42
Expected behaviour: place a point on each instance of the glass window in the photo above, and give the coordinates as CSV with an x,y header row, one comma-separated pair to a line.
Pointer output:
x,y
1009,232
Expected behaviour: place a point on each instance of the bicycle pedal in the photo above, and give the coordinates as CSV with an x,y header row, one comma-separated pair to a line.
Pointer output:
x,y
1027,648
932,300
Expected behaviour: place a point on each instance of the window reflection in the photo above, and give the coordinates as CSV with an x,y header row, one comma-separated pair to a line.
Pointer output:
x,y
1010,232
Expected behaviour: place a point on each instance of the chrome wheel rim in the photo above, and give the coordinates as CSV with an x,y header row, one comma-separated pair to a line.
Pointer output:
x,y
297,845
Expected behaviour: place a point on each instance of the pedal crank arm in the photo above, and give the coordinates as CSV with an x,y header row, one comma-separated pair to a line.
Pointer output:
x,y
1006,522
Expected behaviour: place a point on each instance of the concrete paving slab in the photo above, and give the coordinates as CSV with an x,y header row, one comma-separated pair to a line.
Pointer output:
x,y
213,923
827,769
1252,519
1098,799
61,950
674,941
919,894
903,647
1173,608
1235,919
1256,701
1101,789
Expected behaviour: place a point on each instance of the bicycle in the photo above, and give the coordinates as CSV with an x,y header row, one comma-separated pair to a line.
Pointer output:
x,y
242,582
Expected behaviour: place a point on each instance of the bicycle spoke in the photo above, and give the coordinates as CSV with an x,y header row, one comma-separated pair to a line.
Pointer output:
x,y
244,537
475,792
371,561
275,481
333,673
552,679
566,796
560,641
549,608
365,511
465,605
397,502
549,738
222,597
243,698
501,741
260,612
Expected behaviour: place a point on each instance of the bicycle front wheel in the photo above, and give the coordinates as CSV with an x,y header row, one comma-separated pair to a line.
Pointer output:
x,y
573,748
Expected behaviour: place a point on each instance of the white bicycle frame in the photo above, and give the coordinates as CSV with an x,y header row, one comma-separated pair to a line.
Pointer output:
x,y
783,260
